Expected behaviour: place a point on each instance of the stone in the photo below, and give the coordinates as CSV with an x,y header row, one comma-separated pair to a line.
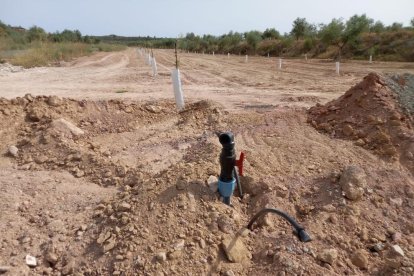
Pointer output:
x,y
175,255
109,244
360,259
179,245
396,251
124,207
212,183
181,184
161,257
229,273
51,257
225,224
13,151
31,261
348,130
328,256
378,247
54,101
397,202
66,128
4,269
396,237
353,182
235,250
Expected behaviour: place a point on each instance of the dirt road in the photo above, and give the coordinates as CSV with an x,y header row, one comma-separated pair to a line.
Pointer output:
x,y
110,179
228,80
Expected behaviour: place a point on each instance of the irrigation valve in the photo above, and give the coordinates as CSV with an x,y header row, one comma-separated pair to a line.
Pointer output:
x,y
229,176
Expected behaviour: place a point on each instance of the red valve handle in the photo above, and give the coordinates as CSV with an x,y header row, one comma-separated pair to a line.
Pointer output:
x,y
239,163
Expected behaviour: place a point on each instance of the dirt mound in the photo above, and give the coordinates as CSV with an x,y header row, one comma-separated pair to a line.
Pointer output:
x,y
376,114
63,134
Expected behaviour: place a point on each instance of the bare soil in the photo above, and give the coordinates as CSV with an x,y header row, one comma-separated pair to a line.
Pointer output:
x,y
110,179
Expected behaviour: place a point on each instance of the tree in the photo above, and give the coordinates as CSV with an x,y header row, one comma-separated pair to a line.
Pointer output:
x,y
377,27
299,28
339,34
395,27
36,33
253,38
271,34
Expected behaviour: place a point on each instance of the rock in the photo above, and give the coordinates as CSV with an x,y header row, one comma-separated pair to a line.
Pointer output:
x,y
181,184
124,207
161,257
235,250
109,244
328,256
175,255
31,261
66,128
348,130
54,101
212,183
4,269
229,273
152,109
353,182
179,245
397,202
360,259
69,268
51,257
396,237
225,224
378,247
13,151
396,251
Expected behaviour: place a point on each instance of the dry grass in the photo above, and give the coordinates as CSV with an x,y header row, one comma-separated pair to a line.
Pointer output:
x,y
44,54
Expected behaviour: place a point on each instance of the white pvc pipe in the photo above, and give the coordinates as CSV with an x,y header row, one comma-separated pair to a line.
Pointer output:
x,y
268,55
213,53
154,67
246,59
306,57
178,92
337,67
280,64
228,55
370,59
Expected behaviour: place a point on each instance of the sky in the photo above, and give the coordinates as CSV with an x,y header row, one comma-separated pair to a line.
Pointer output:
x,y
168,18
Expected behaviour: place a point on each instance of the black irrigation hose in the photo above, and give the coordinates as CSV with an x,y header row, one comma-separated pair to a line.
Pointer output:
x,y
299,230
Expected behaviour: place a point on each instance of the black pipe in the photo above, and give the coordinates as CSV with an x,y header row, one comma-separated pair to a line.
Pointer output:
x,y
299,230
227,156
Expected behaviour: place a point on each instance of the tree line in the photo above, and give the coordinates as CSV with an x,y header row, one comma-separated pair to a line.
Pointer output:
x,y
38,34
358,36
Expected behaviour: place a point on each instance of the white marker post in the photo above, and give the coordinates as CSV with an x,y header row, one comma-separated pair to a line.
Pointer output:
x,y
228,55
280,64
268,55
246,59
306,57
213,53
370,59
149,59
154,67
178,92
337,67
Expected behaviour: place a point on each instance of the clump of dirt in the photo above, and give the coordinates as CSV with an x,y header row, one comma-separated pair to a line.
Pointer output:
x,y
375,114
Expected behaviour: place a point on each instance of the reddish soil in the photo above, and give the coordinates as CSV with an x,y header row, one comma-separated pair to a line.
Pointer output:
x,y
116,184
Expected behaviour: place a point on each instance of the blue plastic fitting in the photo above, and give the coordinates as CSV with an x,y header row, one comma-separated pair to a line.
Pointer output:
x,y
226,189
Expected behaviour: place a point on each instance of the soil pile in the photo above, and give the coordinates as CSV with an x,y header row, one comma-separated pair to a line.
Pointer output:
x,y
376,114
